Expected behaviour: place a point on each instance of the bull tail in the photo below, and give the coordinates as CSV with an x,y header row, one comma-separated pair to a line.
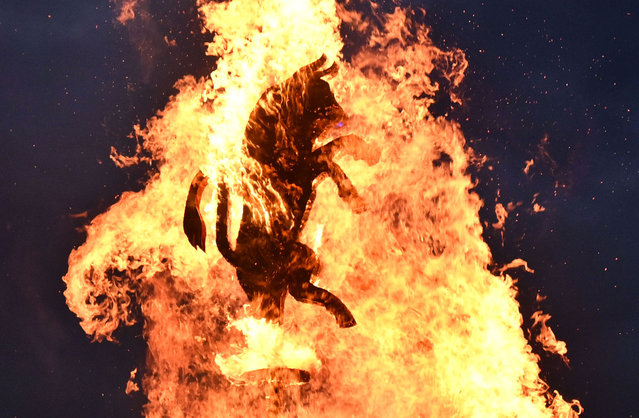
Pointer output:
x,y
221,226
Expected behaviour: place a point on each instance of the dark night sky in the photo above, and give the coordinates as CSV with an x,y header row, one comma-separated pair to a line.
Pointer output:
x,y
73,84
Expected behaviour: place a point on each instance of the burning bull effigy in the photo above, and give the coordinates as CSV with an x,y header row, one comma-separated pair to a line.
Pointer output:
x,y
269,258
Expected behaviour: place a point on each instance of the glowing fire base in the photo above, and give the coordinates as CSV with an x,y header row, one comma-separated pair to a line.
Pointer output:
x,y
274,362
283,389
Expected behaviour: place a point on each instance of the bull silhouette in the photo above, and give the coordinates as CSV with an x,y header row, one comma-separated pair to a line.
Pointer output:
x,y
270,260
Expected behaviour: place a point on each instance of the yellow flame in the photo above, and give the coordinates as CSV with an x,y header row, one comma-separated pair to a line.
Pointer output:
x,y
437,333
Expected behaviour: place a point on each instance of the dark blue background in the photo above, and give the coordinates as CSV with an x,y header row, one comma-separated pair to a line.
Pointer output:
x,y
72,83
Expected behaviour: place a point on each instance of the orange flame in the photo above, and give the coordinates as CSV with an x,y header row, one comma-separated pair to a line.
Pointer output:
x,y
547,337
437,333
131,386
127,10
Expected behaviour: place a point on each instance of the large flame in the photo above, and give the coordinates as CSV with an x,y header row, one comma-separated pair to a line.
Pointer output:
x,y
437,333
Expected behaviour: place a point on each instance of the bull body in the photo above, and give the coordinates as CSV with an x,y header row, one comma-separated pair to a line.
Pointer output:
x,y
269,258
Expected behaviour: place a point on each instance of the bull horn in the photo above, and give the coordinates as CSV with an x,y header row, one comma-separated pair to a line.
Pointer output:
x,y
313,66
332,70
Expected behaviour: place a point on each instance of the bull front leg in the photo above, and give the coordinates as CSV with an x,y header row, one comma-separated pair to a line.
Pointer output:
x,y
358,149
353,145
345,188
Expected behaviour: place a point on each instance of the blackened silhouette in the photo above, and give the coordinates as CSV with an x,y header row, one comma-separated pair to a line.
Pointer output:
x,y
269,258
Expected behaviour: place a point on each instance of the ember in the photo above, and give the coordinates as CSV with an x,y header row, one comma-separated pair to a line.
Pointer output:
x,y
437,334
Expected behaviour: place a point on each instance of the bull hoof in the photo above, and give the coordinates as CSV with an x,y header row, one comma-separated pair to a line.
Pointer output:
x,y
346,322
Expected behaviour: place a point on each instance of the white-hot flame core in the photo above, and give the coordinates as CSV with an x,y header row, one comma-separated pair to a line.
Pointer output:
x,y
267,346
437,333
